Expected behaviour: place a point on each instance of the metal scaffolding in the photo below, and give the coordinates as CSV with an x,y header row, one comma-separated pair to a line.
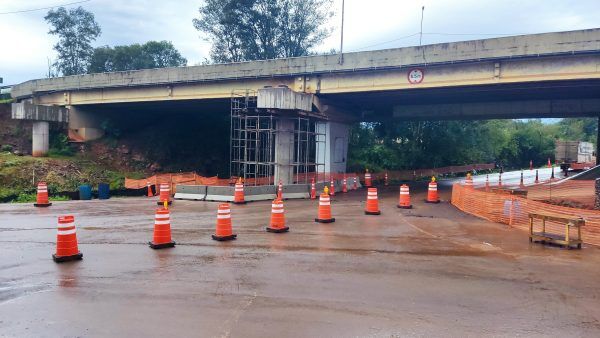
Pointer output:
x,y
252,142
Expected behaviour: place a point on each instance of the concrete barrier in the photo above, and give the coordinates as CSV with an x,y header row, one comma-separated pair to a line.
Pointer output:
x,y
291,191
190,192
220,194
260,193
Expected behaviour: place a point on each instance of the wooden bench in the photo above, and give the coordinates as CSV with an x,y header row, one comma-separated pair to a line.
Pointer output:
x,y
568,221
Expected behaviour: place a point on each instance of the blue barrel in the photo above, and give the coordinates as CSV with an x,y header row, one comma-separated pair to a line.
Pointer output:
x,y
85,192
103,191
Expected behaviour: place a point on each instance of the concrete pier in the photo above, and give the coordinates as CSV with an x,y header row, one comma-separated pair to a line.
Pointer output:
x,y
40,138
284,151
334,147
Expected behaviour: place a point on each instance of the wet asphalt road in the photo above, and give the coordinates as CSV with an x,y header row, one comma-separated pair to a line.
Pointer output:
x,y
430,271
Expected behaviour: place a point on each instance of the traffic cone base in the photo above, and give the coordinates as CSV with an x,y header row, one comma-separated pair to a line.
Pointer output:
x,y
60,259
162,245
224,238
372,212
278,230
162,202
404,206
434,202
42,205
326,220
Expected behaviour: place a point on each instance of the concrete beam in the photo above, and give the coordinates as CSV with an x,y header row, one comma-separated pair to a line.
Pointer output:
x,y
84,125
499,110
40,138
28,111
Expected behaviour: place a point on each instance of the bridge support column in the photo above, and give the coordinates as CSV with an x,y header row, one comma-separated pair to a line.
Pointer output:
x,y
84,125
40,138
284,151
332,147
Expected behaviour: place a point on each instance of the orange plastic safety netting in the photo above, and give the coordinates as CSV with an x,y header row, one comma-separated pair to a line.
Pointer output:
x,y
513,210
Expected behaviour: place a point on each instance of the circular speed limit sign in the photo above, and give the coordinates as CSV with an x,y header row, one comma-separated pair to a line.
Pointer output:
x,y
416,75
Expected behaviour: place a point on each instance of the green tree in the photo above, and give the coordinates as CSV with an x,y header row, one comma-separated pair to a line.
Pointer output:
x,y
263,29
76,29
152,54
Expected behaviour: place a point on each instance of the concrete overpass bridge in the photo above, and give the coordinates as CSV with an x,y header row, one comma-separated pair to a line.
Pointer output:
x,y
528,76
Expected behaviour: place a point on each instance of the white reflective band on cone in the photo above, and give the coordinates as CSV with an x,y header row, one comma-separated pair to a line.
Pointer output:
x,y
66,225
277,205
277,211
163,222
223,211
223,216
66,232
404,193
324,203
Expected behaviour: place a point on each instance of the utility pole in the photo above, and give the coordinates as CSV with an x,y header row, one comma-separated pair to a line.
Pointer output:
x,y
421,32
341,60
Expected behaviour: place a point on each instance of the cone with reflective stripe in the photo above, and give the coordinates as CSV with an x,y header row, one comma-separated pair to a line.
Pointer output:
x,y
469,182
355,186
367,178
277,224
165,194
280,190
150,194
42,196
331,188
238,194
385,178
162,230
344,185
404,201
432,193
66,241
313,189
372,205
324,215
223,231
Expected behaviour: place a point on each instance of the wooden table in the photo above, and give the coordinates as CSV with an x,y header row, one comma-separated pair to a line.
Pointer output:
x,y
568,221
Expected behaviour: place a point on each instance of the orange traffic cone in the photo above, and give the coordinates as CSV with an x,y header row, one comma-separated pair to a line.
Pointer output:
x,y
332,188
238,194
223,231
162,230
367,178
404,202
280,190
324,215
313,190
549,163
432,193
372,205
150,194
165,194
385,179
355,183
469,182
66,241
344,185
277,218
42,196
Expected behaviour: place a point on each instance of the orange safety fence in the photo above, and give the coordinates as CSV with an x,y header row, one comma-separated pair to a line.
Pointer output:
x,y
514,210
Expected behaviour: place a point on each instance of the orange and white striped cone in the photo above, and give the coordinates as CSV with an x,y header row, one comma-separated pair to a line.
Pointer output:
x,y
344,185
432,192
372,205
165,194
238,194
280,190
277,224
42,196
66,241
487,183
162,230
150,194
355,186
324,215
331,188
469,182
368,179
385,178
313,190
223,231
404,200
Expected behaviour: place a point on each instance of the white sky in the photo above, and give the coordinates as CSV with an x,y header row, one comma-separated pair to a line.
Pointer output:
x,y
25,45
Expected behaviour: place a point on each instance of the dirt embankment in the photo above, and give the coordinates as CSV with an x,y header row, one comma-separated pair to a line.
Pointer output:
x,y
15,135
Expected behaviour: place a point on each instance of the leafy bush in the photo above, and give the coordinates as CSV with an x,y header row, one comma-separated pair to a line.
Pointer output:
x,y
6,147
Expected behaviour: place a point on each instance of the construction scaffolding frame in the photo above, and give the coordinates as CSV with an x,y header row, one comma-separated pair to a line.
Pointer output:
x,y
252,142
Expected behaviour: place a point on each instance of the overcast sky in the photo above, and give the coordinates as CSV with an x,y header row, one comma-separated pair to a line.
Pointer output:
x,y
369,24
